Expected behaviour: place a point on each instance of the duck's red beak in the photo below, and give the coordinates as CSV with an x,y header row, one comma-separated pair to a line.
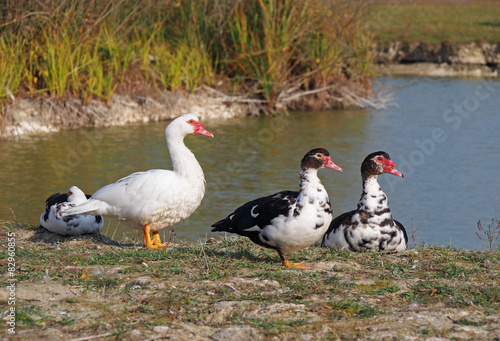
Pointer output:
x,y
390,167
329,164
200,129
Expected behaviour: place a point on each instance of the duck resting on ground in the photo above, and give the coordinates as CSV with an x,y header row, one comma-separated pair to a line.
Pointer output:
x,y
287,221
370,226
71,225
155,199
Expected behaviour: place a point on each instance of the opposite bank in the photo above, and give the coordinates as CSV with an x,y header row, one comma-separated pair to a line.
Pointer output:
x,y
443,59
33,115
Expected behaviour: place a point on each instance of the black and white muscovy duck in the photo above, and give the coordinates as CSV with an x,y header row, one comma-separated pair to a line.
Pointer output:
x,y
155,199
71,225
370,226
287,221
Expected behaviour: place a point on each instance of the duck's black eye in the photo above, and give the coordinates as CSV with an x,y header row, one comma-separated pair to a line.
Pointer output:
x,y
191,121
379,158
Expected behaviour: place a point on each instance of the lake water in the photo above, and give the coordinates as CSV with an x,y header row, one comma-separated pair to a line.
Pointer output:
x,y
442,133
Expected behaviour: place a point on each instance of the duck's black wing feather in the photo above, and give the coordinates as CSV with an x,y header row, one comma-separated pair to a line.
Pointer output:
x,y
256,213
59,198
402,228
343,219
56,198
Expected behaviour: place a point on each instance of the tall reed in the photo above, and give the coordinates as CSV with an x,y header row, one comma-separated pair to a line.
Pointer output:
x,y
266,38
12,66
180,67
263,48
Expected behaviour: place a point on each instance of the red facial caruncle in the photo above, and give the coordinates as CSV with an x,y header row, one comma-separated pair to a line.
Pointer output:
x,y
199,129
388,166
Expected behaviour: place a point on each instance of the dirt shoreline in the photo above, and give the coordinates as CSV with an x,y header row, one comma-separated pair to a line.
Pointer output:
x,y
26,116
93,288
34,115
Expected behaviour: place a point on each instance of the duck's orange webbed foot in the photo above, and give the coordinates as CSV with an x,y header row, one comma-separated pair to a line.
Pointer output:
x,y
294,265
288,264
157,241
154,243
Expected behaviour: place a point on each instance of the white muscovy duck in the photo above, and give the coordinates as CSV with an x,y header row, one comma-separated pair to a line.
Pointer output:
x,y
71,225
287,221
155,199
370,226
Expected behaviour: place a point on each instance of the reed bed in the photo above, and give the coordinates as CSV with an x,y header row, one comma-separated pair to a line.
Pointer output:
x,y
287,54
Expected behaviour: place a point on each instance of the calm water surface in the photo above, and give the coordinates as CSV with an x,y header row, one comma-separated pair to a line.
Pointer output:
x,y
443,134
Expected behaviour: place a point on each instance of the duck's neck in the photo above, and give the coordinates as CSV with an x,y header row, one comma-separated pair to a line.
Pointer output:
x,y
183,160
373,200
311,188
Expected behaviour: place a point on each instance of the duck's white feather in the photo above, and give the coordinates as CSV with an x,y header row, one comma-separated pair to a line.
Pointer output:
x,y
158,197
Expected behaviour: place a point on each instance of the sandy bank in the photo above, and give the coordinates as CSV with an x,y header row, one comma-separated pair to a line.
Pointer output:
x,y
35,115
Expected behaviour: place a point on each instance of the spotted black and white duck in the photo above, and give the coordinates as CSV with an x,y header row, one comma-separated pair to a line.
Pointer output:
x,y
71,225
370,226
158,198
287,221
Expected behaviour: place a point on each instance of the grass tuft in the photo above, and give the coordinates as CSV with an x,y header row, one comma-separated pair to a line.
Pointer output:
x,y
349,308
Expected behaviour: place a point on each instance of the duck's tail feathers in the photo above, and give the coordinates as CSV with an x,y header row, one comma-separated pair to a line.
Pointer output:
x,y
88,207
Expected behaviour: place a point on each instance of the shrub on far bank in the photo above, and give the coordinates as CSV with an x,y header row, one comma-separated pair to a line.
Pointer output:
x,y
289,54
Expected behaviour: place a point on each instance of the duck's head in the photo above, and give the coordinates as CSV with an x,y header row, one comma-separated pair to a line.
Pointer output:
x,y
185,125
318,158
378,163
76,195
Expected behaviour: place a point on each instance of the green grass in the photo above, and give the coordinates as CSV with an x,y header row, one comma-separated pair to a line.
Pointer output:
x,y
468,323
388,289
259,48
432,24
275,327
26,316
426,331
458,295
349,308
